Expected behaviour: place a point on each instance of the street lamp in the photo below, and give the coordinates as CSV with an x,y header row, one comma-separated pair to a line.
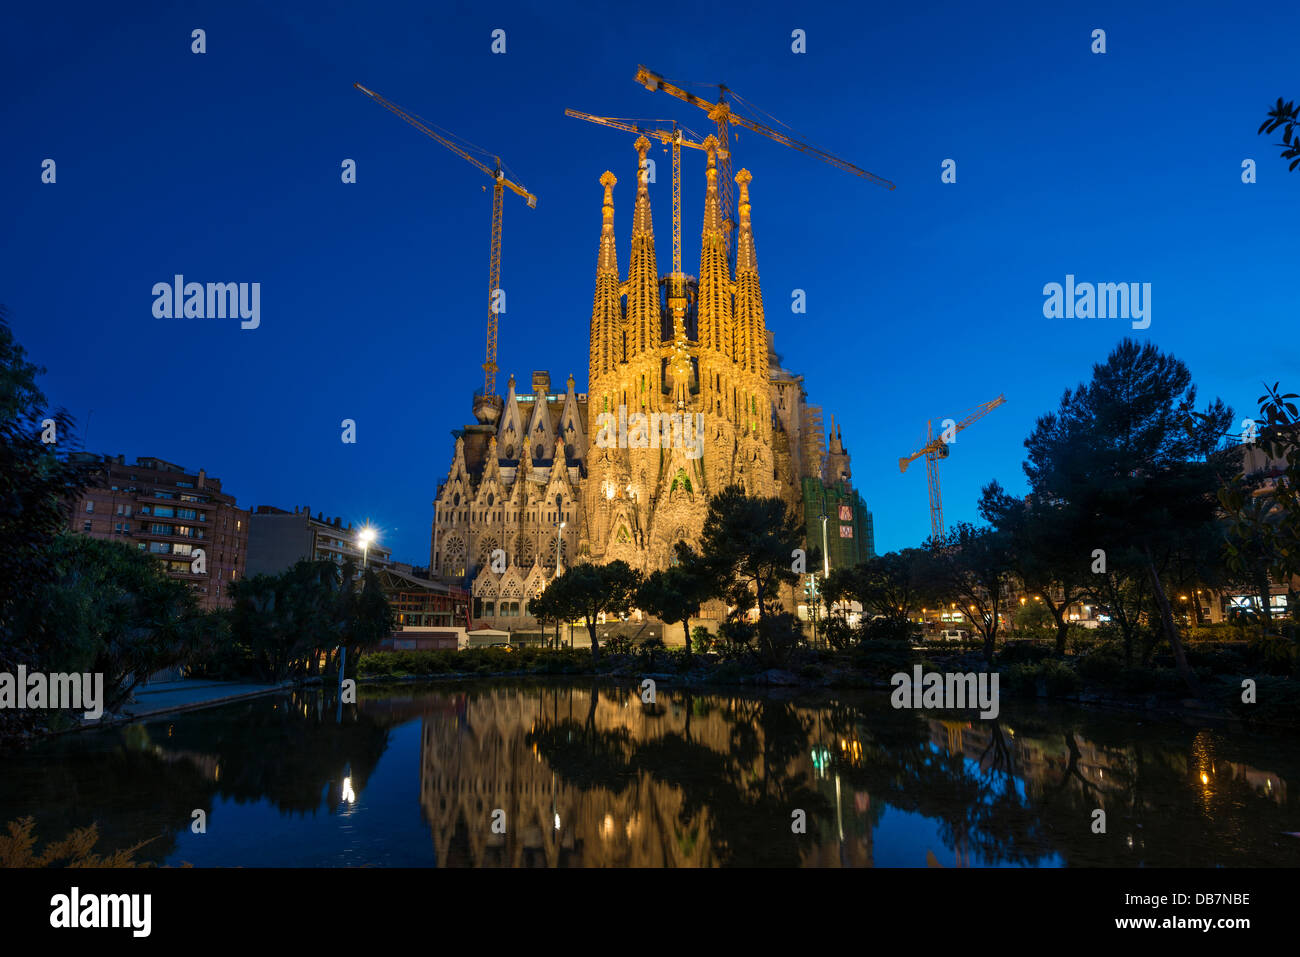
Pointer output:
x,y
364,537
559,528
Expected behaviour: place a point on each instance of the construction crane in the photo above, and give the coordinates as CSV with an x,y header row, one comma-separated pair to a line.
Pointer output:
x,y
936,449
722,116
499,185
672,137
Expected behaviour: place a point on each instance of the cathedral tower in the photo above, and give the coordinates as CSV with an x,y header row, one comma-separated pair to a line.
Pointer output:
x,y
673,420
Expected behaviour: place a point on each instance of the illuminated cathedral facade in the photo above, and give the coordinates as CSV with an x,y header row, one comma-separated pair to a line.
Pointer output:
x,y
540,481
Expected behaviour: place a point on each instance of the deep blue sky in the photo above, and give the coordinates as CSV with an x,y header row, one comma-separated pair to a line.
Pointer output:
x,y
922,302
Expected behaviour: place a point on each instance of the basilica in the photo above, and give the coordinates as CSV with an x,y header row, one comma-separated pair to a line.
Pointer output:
x,y
534,484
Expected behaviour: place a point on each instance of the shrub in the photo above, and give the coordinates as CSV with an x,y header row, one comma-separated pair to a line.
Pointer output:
x,y
734,639
1276,656
1080,640
1277,701
75,850
883,658
618,645
649,652
778,637
701,640
1024,651
1100,668
887,629
1137,680
838,633
1020,679
1060,679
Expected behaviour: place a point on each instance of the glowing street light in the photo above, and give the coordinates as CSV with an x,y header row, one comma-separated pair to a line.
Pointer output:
x,y
365,536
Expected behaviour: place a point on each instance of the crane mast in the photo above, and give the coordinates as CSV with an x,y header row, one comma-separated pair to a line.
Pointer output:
x,y
499,185
936,448
670,136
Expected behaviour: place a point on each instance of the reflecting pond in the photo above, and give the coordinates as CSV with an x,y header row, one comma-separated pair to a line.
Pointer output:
x,y
537,774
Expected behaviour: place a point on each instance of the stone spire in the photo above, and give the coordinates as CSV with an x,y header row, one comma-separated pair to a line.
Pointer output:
x,y
837,459
606,310
642,272
715,329
751,329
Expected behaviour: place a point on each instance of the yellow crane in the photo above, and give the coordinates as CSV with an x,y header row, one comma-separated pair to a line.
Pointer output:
x,y
499,184
936,449
723,117
672,136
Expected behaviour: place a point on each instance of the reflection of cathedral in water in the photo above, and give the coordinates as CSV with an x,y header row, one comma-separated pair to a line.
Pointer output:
x,y
477,758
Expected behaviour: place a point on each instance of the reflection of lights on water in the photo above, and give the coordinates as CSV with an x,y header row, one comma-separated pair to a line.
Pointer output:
x,y
348,794
1205,778
821,759
557,822
1130,841
607,827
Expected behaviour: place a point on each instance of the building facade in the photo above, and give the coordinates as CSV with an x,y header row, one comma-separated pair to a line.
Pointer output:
x,y
277,539
686,395
181,518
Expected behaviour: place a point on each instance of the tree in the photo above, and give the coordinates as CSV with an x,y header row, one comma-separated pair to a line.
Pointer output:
x,y
368,618
37,487
288,620
1288,116
748,542
674,594
1042,537
592,590
889,585
117,613
974,566
1263,505
1123,454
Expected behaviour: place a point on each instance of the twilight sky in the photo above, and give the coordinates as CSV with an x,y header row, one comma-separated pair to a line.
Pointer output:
x,y
922,302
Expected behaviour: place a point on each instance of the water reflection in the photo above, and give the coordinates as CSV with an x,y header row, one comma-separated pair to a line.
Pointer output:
x,y
585,775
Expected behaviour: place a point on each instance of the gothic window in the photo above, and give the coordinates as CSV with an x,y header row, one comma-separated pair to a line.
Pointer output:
x,y
485,549
548,555
454,556
524,555
491,499
622,534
